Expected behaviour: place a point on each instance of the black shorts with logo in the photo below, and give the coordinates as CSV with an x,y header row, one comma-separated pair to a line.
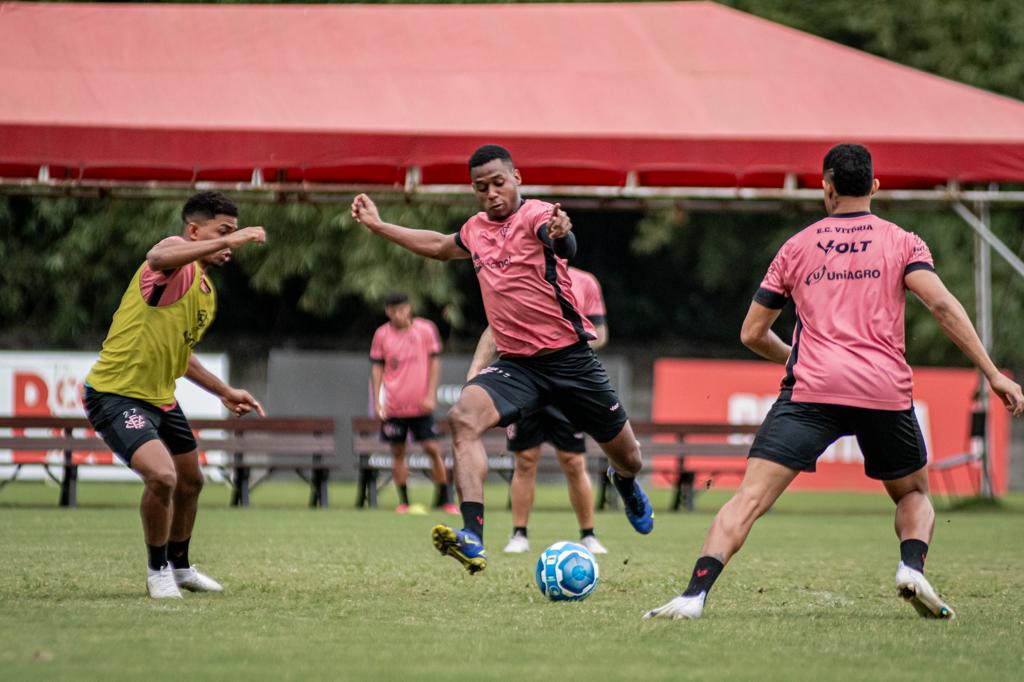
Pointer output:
x,y
125,424
794,434
571,379
396,429
547,426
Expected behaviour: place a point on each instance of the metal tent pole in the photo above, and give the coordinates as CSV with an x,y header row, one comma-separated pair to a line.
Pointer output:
x,y
983,313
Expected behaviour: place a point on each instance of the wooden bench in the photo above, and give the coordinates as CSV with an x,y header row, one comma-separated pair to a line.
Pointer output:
x,y
268,444
677,440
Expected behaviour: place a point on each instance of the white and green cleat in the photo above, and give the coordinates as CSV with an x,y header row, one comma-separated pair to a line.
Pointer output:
x,y
912,586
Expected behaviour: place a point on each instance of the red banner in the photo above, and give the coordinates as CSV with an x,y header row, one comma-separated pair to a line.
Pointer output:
x,y
741,392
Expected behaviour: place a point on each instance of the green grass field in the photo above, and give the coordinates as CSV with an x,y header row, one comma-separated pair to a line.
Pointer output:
x,y
362,595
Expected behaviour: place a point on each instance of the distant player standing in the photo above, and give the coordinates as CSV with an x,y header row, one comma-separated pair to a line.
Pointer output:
x,y
526,436
129,395
519,249
407,365
845,374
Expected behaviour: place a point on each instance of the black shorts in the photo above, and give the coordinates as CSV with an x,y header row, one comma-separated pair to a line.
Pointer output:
x,y
396,429
125,424
547,426
571,379
794,434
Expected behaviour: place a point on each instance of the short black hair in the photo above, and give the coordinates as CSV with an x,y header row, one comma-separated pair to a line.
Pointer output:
x,y
848,167
206,205
396,298
489,152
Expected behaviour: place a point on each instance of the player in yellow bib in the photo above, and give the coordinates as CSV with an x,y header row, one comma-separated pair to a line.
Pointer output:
x,y
129,394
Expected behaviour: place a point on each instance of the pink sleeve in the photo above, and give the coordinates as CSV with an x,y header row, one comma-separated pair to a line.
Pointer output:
x,y
594,303
776,278
166,287
433,337
377,347
917,255
462,238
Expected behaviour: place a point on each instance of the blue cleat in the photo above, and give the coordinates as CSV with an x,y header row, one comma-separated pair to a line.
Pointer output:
x,y
461,545
638,507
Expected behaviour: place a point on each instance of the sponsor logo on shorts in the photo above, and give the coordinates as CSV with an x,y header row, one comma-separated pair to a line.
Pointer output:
x,y
495,370
614,408
133,420
510,431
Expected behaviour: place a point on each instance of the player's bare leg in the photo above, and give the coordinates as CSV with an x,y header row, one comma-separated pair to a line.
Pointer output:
x,y
153,463
183,519
623,452
762,484
471,416
581,497
524,484
400,474
915,522
439,475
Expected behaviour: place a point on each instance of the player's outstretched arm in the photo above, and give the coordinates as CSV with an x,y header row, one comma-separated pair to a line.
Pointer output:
x,y
174,254
421,242
953,319
238,400
757,335
485,351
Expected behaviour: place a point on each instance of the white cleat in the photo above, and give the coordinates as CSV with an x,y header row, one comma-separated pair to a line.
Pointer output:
x,y
680,608
594,545
517,544
913,587
161,584
194,581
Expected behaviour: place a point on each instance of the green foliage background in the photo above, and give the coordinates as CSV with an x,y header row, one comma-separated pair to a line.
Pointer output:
x,y
675,282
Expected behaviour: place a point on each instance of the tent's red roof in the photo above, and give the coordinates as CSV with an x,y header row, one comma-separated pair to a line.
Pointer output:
x,y
682,93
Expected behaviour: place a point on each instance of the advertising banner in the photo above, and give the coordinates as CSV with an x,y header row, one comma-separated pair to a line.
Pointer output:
x,y
50,383
741,392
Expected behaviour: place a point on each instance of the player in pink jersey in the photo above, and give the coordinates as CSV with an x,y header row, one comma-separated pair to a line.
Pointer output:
x,y
845,374
406,364
526,436
519,250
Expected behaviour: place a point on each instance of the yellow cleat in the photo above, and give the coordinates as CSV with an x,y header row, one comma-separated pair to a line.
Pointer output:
x,y
461,545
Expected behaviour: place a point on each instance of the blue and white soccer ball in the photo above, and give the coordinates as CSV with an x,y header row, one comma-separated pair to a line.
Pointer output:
x,y
566,571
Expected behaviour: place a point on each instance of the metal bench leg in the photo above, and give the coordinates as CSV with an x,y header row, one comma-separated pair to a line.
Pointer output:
x,y
69,484
240,491
372,487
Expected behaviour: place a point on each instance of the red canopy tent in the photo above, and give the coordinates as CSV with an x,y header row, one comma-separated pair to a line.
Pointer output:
x,y
687,94
685,100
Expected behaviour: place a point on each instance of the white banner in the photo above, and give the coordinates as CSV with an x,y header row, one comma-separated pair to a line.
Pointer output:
x,y
50,383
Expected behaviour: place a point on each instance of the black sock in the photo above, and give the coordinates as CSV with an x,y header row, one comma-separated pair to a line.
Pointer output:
x,y
441,498
157,556
584,532
473,518
403,494
519,530
705,573
177,553
913,552
625,485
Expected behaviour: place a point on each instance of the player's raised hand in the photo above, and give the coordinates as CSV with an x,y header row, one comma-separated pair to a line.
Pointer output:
x,y
1010,393
364,211
241,402
245,235
559,224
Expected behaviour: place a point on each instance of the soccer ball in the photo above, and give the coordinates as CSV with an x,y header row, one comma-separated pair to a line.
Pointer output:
x,y
566,572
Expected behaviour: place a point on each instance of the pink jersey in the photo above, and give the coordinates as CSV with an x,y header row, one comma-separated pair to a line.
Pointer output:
x,y
526,289
587,291
845,274
406,355
164,288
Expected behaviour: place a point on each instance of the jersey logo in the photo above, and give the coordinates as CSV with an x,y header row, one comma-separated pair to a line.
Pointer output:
x,y
845,247
815,276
